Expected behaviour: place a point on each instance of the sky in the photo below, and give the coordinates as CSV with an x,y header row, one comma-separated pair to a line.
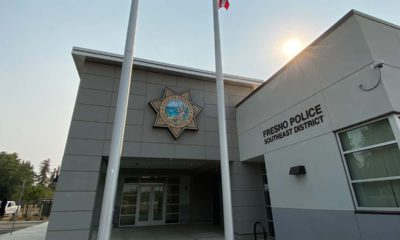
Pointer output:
x,y
39,81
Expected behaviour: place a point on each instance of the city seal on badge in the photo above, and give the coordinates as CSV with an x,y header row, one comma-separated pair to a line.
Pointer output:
x,y
175,111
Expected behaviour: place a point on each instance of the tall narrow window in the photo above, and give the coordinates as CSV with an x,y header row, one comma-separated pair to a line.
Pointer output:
x,y
372,158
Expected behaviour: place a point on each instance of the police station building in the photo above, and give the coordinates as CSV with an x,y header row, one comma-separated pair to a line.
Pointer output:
x,y
314,150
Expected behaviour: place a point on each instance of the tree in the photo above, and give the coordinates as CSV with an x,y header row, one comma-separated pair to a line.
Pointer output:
x,y
13,172
53,177
44,170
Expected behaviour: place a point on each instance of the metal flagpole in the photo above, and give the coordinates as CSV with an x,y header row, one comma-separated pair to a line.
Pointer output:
x,y
107,207
223,143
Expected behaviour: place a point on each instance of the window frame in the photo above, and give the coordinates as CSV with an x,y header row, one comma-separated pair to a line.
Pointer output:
x,y
394,121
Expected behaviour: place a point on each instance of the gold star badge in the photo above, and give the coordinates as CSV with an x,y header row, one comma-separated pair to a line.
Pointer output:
x,y
175,111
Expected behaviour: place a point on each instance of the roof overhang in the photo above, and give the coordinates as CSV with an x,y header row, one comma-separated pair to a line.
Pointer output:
x,y
82,55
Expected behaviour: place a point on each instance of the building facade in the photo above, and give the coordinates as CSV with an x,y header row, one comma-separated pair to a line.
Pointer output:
x,y
314,150
327,128
163,179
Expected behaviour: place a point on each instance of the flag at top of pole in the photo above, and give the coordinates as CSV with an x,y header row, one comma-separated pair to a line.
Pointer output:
x,y
223,3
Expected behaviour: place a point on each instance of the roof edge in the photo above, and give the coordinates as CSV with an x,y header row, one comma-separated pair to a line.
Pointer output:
x,y
315,42
164,67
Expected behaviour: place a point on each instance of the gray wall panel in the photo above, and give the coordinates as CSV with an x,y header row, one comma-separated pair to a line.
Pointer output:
x,y
297,224
73,201
77,181
134,117
130,149
157,149
100,69
190,83
137,88
90,113
68,235
135,101
161,79
212,153
377,226
81,163
91,130
93,97
189,151
248,204
97,82
79,220
239,90
83,147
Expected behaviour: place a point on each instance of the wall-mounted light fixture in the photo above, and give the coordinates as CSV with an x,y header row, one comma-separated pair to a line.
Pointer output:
x,y
297,170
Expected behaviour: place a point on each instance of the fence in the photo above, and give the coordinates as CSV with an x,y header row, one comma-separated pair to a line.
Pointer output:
x,y
33,210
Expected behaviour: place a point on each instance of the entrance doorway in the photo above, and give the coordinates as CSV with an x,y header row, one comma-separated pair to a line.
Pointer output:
x,y
142,204
151,205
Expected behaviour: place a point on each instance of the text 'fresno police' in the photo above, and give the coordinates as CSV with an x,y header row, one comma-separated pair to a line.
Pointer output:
x,y
295,124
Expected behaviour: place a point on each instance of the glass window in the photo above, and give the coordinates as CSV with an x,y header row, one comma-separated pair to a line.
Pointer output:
x,y
372,157
172,208
130,189
376,194
371,134
374,163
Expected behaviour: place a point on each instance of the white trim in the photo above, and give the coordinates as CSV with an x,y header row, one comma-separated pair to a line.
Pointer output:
x,y
371,147
378,209
381,179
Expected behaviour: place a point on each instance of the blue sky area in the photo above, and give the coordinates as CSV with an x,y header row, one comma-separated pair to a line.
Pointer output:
x,y
39,81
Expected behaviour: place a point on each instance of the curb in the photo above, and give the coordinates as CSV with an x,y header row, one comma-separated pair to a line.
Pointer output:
x,y
19,222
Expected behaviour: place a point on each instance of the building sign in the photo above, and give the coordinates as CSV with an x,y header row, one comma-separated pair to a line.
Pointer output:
x,y
295,124
175,111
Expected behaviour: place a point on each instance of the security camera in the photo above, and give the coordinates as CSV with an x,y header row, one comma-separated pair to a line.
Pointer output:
x,y
377,64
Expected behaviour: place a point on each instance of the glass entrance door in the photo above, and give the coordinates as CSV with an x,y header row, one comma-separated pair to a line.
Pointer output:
x,y
151,199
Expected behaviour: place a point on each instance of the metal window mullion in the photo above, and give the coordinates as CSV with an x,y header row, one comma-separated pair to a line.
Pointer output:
x,y
371,147
347,172
363,124
376,179
394,121
378,209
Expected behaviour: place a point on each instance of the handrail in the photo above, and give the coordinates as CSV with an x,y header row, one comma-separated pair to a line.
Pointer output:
x,y
263,229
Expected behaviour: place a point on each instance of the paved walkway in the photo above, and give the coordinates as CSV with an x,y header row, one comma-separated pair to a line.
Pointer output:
x,y
36,232
166,232
169,232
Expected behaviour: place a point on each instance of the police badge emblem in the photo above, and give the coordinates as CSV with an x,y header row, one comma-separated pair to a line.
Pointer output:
x,y
175,111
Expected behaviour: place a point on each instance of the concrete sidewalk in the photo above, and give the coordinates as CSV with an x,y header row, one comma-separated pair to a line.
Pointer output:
x,y
166,232
37,232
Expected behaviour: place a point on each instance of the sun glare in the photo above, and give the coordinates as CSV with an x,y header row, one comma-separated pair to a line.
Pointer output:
x,y
292,47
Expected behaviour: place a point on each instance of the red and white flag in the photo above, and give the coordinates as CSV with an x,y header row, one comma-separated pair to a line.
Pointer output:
x,y
223,3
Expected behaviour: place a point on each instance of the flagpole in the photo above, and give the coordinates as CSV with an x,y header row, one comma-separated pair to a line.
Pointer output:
x,y
107,207
223,143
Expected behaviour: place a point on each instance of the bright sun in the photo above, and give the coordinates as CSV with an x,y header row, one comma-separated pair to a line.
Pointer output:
x,y
292,47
